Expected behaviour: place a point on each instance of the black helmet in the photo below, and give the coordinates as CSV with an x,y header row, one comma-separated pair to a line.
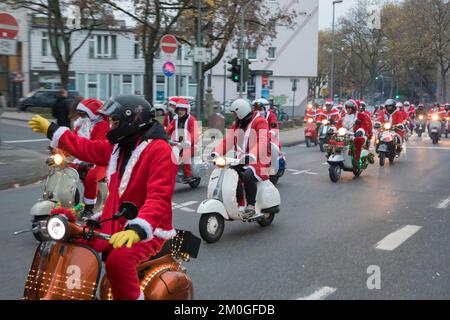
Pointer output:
x,y
390,106
131,112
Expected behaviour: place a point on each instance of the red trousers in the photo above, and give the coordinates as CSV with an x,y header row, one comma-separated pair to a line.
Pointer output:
x,y
90,183
121,267
359,142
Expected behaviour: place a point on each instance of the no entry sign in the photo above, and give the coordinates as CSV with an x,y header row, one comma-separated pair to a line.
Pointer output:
x,y
168,44
8,26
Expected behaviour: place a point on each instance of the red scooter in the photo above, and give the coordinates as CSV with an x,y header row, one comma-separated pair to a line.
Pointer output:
x,y
311,133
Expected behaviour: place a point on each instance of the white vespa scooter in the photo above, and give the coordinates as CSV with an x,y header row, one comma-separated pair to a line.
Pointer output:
x,y
60,187
222,203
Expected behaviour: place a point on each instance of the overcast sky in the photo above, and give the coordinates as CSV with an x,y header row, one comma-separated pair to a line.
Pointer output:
x,y
326,11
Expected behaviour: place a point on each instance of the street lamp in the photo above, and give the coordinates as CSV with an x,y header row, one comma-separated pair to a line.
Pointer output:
x,y
332,52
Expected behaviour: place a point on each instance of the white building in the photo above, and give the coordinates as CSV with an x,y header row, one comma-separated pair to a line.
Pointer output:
x,y
109,63
291,56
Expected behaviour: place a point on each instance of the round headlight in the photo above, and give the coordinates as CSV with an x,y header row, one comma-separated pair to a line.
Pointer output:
x,y
324,122
434,117
342,131
221,162
56,228
58,159
387,125
421,117
310,120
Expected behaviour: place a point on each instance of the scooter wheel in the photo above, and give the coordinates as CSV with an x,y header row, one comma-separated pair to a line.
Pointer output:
x,y
274,179
391,160
194,184
211,227
267,220
308,142
382,157
322,148
335,173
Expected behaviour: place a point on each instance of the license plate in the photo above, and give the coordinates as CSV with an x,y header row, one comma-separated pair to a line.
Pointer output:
x,y
383,147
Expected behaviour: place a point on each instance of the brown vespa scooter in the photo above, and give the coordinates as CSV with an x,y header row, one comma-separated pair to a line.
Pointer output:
x,y
64,270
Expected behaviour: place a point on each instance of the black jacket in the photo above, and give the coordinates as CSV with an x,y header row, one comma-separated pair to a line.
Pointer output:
x,y
60,111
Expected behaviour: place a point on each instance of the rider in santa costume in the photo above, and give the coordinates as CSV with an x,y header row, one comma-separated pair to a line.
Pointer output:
x,y
249,137
311,112
392,115
170,113
331,113
184,129
141,171
359,124
263,107
93,126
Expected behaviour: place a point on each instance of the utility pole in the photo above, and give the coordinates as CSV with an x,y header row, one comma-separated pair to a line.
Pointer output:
x,y
241,46
199,65
332,53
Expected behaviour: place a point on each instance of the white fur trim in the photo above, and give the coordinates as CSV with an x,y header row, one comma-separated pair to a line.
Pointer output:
x,y
144,225
57,135
96,216
89,201
112,166
82,107
165,234
141,296
361,130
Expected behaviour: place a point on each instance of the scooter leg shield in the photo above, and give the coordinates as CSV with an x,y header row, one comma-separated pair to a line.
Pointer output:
x,y
212,206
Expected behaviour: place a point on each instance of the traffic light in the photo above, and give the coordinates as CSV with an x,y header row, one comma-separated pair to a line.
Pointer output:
x,y
397,97
235,70
376,78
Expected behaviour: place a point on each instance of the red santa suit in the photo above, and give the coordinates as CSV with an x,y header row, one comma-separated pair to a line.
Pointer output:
x,y
170,113
185,131
274,129
411,112
394,119
148,181
320,115
93,127
354,122
310,114
333,114
253,140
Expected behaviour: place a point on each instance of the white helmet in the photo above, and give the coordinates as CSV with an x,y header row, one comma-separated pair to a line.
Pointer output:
x,y
241,107
399,104
262,102
406,103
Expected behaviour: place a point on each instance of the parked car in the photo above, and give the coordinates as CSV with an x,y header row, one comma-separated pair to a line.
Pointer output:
x,y
42,99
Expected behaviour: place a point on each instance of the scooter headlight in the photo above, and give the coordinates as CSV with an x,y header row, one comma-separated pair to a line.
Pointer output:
x,y
58,159
324,122
421,117
221,162
434,117
342,132
310,120
387,126
57,228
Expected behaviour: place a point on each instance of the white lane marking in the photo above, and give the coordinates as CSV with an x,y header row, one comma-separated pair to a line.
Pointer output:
x,y
444,204
319,294
25,141
396,238
301,171
183,206
434,148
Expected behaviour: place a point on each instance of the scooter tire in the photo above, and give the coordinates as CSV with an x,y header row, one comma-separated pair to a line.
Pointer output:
x,y
322,148
335,173
274,179
208,231
267,220
194,184
308,142
382,157
391,160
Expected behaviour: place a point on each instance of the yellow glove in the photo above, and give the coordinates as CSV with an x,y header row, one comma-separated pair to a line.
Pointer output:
x,y
39,124
120,238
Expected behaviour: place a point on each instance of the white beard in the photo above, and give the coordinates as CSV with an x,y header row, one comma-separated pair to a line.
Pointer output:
x,y
349,121
84,127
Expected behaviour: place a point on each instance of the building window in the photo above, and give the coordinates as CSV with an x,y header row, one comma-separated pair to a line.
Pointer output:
x,y
92,86
272,51
44,44
127,84
138,54
102,47
251,53
271,84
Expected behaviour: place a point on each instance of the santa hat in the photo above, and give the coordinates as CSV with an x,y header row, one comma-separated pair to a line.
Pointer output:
x,y
183,103
90,107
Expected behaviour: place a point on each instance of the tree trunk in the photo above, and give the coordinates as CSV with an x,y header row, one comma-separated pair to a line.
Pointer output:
x,y
64,74
148,78
443,87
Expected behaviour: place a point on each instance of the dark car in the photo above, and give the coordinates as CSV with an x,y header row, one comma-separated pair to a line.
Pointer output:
x,y
42,99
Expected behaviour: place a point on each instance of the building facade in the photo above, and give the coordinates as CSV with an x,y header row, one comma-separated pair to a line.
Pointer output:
x,y
280,67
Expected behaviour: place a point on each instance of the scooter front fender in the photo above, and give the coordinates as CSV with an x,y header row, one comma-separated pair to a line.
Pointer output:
x,y
336,158
213,206
42,208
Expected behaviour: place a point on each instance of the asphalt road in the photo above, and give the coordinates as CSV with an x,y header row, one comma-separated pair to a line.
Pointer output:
x,y
17,133
321,245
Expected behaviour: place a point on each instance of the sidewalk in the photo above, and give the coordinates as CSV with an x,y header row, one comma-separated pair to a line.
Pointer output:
x,y
10,114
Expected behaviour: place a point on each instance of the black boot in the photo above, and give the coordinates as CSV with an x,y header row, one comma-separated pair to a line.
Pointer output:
x,y
88,211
